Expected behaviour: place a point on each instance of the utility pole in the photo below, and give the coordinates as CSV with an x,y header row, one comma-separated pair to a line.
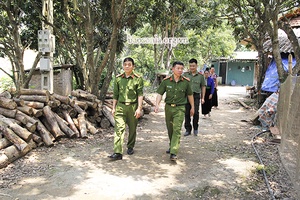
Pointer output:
x,y
46,42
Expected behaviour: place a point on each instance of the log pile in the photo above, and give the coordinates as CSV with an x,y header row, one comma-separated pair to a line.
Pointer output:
x,y
35,117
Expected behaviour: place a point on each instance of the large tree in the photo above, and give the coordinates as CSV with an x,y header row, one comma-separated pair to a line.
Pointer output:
x,y
257,19
18,31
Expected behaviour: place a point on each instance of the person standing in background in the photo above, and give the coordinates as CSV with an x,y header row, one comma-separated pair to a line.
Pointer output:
x,y
206,107
127,107
214,76
178,90
198,87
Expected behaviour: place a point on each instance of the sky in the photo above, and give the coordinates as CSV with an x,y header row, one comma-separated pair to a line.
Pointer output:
x,y
29,57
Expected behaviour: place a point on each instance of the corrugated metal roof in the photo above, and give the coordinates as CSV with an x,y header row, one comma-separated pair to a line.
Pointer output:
x,y
295,22
285,45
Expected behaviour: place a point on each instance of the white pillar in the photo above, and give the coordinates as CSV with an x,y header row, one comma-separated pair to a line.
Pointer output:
x,y
47,48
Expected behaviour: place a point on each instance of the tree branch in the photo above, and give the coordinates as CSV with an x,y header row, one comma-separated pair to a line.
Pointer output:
x,y
6,73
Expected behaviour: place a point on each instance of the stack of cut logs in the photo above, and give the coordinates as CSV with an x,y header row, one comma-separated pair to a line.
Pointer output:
x,y
36,117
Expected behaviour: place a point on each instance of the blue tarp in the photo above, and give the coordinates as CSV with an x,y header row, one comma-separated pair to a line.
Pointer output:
x,y
271,81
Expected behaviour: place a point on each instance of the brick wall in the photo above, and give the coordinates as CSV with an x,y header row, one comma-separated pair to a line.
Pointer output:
x,y
62,81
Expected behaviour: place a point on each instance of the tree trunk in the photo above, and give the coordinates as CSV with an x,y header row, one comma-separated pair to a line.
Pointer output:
x,y
5,94
45,134
81,94
63,99
42,99
20,117
71,123
64,127
20,131
91,128
54,127
4,161
13,153
7,103
37,139
8,113
34,104
78,109
284,25
82,104
37,113
82,125
4,143
13,138
26,109
34,92
31,127
105,124
19,102
107,113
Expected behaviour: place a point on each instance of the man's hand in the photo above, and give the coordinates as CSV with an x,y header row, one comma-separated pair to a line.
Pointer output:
x,y
138,113
192,111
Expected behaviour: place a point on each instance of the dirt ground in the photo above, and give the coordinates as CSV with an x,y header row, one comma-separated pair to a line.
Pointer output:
x,y
219,163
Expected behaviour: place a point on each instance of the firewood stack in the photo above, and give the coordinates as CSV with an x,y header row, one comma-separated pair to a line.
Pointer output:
x,y
36,117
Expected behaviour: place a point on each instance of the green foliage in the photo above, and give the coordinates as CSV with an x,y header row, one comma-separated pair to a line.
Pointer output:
x,y
6,83
203,45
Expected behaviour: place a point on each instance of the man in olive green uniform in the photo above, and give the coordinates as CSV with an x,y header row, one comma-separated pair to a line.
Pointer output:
x,y
198,86
127,106
178,90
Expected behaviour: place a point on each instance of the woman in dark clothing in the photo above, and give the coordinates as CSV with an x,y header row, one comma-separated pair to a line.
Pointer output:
x,y
214,76
206,107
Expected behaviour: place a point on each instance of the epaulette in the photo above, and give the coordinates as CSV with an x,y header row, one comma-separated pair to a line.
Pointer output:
x,y
186,78
120,75
138,76
167,77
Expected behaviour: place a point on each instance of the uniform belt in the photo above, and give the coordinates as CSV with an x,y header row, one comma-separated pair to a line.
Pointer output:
x,y
128,103
175,105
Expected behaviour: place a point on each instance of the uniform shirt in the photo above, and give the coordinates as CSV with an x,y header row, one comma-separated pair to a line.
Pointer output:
x,y
176,92
197,81
128,89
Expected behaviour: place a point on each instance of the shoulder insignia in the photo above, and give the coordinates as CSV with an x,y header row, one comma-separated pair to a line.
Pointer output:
x,y
186,78
120,75
167,77
138,76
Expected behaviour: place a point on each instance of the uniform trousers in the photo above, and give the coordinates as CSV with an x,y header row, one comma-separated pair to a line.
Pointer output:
x,y
124,115
174,117
187,122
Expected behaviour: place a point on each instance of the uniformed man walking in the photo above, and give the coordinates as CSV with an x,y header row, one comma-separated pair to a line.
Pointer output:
x,y
198,87
178,90
127,106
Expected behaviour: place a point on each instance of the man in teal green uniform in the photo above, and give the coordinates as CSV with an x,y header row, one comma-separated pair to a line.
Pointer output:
x,y
127,107
198,87
178,90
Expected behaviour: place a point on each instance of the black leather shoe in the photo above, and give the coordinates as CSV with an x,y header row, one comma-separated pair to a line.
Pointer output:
x,y
168,151
116,156
173,157
130,151
187,133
